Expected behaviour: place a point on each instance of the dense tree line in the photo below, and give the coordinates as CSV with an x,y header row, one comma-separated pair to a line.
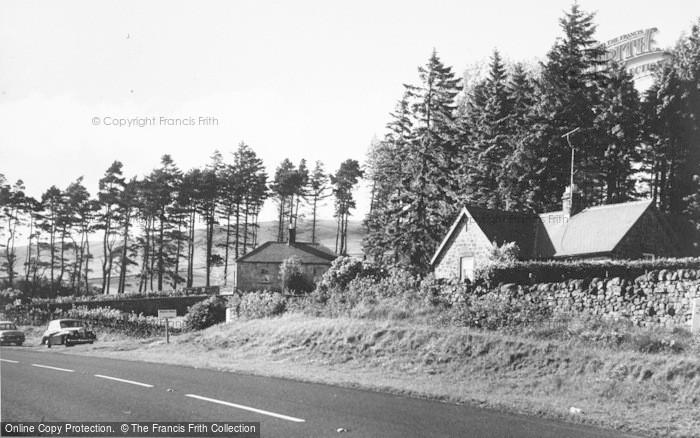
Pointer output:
x,y
146,227
498,142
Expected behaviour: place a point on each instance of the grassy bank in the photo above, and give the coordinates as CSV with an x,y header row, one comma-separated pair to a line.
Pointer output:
x,y
533,372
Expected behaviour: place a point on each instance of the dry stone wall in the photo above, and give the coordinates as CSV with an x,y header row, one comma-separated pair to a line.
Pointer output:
x,y
658,298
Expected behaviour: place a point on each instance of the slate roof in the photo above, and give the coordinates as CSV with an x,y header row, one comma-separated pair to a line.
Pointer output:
x,y
507,226
277,252
593,230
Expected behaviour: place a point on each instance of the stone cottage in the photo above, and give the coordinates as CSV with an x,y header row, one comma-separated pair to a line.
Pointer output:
x,y
629,230
259,269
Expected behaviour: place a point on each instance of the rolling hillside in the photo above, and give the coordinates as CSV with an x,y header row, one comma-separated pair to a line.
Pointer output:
x,y
325,231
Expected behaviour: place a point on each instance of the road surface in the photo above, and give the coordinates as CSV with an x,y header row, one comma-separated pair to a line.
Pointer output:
x,y
44,385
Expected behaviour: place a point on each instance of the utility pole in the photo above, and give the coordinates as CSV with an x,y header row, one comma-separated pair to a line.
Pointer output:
x,y
567,135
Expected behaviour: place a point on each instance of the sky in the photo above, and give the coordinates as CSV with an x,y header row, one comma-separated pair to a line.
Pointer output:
x,y
303,79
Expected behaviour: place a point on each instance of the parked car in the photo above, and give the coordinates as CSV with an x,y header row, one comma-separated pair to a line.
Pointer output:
x,y
9,334
68,332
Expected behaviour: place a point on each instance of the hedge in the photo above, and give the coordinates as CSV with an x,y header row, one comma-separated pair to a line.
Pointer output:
x,y
125,296
551,271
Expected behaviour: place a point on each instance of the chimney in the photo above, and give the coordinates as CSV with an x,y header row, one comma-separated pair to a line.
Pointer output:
x,y
571,202
292,236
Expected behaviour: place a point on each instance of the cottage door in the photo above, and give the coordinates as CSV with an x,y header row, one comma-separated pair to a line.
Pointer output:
x,y
466,268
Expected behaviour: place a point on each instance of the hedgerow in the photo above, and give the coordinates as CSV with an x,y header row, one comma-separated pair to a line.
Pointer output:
x,y
261,304
109,319
550,271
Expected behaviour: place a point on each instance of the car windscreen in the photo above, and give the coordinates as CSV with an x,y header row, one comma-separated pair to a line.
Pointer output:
x,y
6,326
68,324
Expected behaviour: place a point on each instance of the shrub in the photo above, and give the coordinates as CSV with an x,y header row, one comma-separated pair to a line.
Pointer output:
x,y
9,296
493,312
258,304
550,271
205,314
345,269
107,318
292,275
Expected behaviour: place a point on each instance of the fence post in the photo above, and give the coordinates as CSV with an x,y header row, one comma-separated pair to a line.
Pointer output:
x,y
695,317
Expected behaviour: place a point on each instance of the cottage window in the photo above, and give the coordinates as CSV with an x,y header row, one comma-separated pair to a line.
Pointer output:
x,y
264,275
466,268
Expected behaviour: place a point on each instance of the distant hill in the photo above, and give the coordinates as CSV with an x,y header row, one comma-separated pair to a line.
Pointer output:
x,y
325,234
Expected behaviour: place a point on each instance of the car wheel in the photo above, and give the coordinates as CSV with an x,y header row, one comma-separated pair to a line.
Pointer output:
x,y
19,344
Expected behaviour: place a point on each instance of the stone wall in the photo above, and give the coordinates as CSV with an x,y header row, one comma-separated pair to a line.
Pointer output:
x,y
147,306
659,298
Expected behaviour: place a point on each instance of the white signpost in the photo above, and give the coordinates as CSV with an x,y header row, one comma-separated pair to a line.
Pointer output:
x,y
166,315
695,319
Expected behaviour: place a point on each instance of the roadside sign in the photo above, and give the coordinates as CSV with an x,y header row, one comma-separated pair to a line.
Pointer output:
x,y
166,315
169,313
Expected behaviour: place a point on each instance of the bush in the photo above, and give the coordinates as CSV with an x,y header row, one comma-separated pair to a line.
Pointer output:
x,y
493,312
345,269
551,271
258,304
292,275
9,296
205,314
108,319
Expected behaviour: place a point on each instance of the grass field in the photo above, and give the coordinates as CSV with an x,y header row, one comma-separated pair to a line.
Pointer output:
x,y
652,394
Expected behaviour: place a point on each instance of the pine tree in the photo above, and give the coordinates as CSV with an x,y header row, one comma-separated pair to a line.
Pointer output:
x,y
618,118
488,144
566,94
12,201
385,241
110,187
344,181
518,171
318,188
428,193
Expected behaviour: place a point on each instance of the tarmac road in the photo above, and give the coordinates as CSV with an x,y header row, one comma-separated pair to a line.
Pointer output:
x,y
44,385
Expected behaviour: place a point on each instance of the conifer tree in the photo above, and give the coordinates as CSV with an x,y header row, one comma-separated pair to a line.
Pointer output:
x,y
566,95
110,187
318,188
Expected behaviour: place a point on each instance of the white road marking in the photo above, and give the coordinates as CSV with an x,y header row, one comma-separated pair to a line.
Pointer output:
x,y
8,360
52,368
259,411
125,381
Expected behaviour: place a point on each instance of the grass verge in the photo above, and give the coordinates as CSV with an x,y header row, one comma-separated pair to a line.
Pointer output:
x,y
653,394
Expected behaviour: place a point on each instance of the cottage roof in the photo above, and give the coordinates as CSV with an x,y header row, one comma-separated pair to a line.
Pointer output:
x,y
277,252
594,230
507,226
498,226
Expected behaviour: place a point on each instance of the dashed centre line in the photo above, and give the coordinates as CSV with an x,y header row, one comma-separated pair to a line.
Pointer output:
x,y
246,408
8,360
124,380
52,368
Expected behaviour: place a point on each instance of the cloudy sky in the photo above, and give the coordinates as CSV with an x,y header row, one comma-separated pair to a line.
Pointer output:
x,y
302,79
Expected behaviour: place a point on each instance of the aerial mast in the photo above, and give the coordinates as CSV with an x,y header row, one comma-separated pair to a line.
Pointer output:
x,y
568,140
